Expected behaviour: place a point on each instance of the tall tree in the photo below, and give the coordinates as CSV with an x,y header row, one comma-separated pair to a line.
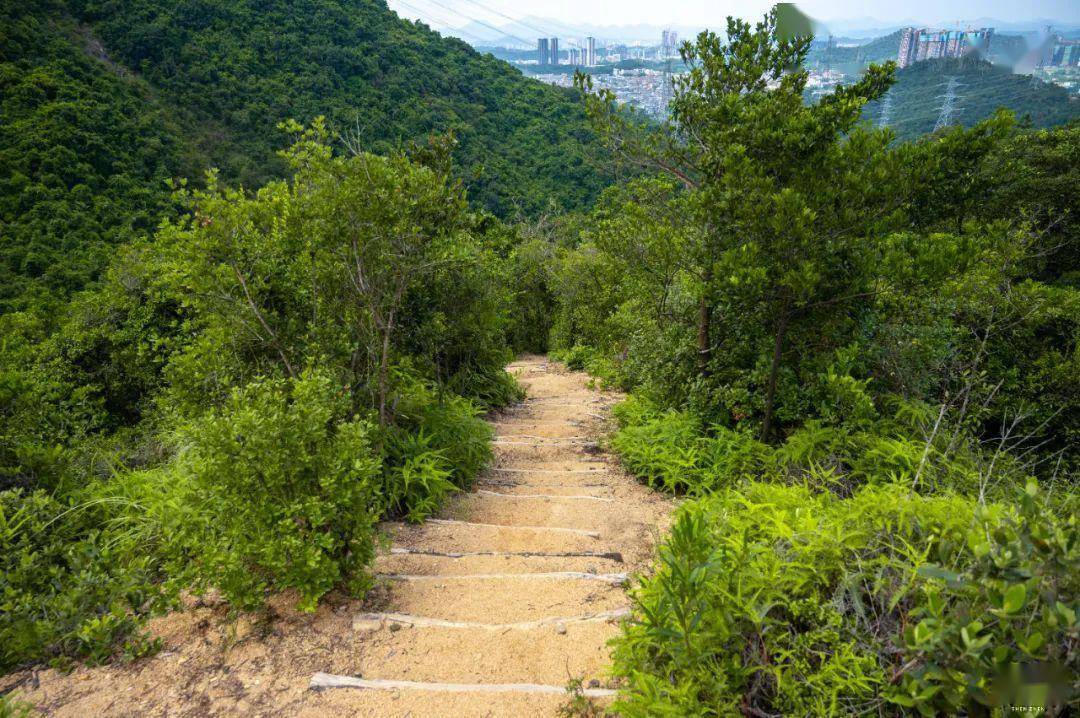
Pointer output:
x,y
783,191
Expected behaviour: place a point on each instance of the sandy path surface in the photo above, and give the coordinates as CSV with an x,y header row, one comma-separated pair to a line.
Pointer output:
x,y
520,586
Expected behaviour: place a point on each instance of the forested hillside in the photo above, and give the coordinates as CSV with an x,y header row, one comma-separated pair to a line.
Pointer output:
x,y
85,150
981,88
247,228
234,69
853,59
103,101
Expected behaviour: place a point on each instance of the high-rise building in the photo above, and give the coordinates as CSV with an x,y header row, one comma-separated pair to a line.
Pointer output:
x,y
554,51
1059,52
575,56
909,39
543,54
918,44
669,42
590,52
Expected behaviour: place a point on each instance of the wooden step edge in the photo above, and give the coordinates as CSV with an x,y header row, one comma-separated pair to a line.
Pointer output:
x,y
615,579
322,681
547,471
552,529
560,497
374,621
608,555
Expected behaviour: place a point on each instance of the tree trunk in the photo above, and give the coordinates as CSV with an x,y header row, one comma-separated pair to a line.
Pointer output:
x,y
704,346
774,370
384,368
273,337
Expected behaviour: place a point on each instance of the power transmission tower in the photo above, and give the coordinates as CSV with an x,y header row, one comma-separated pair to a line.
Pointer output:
x,y
886,110
948,104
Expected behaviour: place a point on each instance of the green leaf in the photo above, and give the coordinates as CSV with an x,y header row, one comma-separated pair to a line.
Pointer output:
x,y
1014,598
923,632
1066,613
953,579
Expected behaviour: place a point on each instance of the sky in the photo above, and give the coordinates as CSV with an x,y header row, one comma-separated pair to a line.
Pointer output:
x,y
712,12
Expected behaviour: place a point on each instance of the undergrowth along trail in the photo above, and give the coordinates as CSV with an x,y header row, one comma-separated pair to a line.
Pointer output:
x,y
491,609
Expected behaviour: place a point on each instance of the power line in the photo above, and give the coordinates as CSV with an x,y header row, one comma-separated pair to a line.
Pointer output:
x,y
503,15
435,20
450,27
527,43
447,27
548,32
428,16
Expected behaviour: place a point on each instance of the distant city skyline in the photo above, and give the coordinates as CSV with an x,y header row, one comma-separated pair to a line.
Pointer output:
x,y
708,13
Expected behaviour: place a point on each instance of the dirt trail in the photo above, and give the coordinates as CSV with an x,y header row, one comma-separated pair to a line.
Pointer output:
x,y
488,612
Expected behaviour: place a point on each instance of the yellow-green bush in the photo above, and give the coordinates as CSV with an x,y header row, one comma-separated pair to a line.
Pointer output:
x,y
283,490
777,600
67,587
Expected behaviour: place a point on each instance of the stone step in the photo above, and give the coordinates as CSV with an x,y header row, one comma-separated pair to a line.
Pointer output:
x,y
522,496
571,466
513,485
506,451
614,579
506,599
576,515
458,537
375,620
418,563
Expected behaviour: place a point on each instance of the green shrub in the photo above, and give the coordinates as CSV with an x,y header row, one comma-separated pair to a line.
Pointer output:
x,y
574,357
777,600
419,480
592,361
976,632
10,708
675,451
67,586
635,410
489,388
283,487
672,451
666,452
530,264
450,425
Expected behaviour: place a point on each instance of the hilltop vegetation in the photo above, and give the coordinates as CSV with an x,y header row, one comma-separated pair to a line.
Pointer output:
x,y
854,59
293,344
244,395
104,101
235,69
